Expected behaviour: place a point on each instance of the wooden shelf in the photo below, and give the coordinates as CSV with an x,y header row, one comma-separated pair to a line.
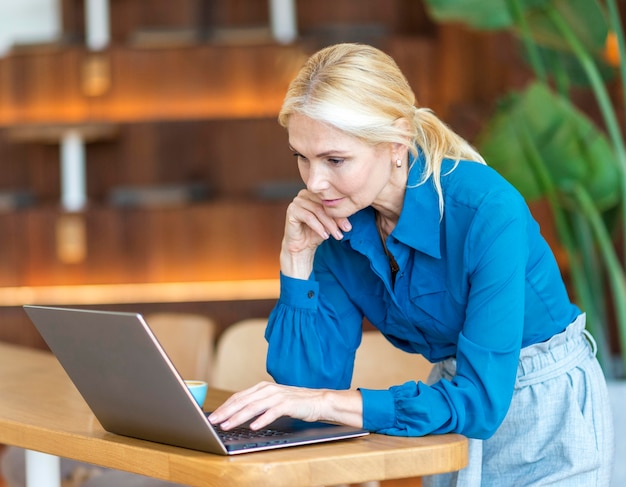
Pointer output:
x,y
166,292
210,241
52,133
174,83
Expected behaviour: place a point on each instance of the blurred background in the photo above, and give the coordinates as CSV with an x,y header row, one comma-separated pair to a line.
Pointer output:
x,y
139,142
142,166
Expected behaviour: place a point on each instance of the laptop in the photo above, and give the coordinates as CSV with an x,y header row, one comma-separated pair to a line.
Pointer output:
x,y
123,373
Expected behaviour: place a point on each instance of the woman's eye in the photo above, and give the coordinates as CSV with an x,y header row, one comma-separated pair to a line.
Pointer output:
x,y
335,161
299,157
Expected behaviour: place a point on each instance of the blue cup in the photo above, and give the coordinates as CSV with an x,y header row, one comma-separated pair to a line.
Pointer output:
x,y
198,389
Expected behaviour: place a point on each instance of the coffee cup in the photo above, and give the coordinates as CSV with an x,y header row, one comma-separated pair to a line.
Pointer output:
x,y
198,389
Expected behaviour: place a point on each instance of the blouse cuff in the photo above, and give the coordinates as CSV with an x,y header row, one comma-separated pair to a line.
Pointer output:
x,y
378,409
298,293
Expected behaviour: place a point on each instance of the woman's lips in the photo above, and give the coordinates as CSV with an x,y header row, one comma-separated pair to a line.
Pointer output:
x,y
331,203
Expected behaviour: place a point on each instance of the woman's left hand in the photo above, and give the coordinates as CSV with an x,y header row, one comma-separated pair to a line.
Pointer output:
x,y
267,401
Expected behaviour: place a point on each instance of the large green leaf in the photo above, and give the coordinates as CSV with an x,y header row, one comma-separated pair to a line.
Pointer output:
x,y
538,122
586,18
565,63
478,14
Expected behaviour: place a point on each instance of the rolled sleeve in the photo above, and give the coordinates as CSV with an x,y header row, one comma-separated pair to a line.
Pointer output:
x,y
299,293
378,409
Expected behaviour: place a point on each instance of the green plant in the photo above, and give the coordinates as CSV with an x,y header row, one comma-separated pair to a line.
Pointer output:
x,y
549,149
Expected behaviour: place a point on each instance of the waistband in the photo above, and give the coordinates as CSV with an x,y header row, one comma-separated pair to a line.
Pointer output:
x,y
543,361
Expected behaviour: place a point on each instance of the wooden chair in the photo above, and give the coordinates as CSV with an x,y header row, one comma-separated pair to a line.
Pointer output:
x,y
240,356
379,365
188,339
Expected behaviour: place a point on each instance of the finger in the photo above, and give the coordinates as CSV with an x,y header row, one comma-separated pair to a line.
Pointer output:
x,y
233,404
304,214
265,419
344,224
332,224
256,415
243,406
306,209
265,403
277,401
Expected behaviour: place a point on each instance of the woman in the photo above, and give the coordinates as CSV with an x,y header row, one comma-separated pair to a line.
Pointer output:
x,y
403,223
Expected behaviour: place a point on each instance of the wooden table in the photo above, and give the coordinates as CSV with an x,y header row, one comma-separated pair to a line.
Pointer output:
x,y
41,410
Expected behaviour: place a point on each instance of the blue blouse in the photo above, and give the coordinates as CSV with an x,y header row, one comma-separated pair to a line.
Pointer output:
x,y
477,284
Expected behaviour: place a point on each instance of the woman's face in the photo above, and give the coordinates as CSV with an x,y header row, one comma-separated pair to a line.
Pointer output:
x,y
344,172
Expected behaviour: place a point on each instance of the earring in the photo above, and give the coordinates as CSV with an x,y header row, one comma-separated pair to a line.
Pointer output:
x,y
398,162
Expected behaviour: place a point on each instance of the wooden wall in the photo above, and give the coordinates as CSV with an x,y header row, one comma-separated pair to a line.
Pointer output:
x,y
195,109
234,157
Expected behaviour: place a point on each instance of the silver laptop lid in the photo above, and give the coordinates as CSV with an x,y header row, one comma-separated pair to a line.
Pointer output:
x,y
125,376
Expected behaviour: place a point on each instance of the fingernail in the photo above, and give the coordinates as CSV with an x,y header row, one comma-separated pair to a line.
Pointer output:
x,y
346,226
338,235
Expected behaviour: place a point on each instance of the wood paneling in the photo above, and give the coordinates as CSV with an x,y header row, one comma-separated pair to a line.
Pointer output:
x,y
221,240
396,17
234,157
193,82
206,16
129,16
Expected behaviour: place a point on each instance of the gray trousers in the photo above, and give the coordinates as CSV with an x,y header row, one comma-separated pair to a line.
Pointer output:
x,y
559,428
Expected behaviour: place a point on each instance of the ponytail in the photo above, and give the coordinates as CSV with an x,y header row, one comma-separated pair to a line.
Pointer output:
x,y
437,142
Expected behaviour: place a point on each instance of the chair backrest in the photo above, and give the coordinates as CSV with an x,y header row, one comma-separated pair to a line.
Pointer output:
x,y
380,365
240,356
188,339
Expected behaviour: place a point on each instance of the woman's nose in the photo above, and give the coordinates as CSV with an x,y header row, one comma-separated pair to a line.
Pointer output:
x,y
317,179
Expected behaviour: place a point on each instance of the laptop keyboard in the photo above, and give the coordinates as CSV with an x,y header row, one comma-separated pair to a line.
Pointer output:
x,y
248,434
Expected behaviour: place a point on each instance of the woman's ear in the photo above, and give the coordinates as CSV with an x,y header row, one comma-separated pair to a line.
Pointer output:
x,y
398,149
399,152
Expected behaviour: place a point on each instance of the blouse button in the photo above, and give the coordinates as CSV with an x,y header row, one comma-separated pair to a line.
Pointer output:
x,y
310,294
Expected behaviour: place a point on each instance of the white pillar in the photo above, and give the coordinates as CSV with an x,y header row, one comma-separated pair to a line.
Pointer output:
x,y
283,20
97,29
42,470
73,172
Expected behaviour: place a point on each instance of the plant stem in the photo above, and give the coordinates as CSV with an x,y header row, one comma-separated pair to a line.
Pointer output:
x,y
604,103
581,284
561,79
531,48
616,25
615,272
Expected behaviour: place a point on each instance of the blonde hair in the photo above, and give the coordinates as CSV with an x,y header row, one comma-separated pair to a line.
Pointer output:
x,y
360,90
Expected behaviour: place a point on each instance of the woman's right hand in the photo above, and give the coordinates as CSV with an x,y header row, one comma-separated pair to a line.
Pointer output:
x,y
307,225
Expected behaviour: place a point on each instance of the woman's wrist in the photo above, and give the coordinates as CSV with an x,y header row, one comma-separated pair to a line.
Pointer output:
x,y
297,266
345,407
